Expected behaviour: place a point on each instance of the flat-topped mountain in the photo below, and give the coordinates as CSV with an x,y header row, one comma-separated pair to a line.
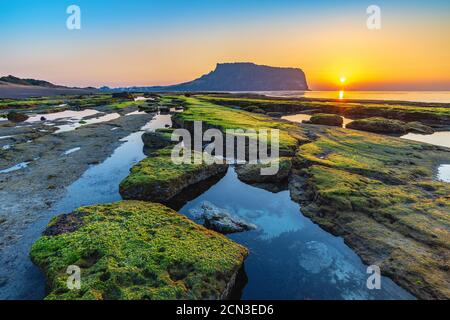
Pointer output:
x,y
241,76
247,77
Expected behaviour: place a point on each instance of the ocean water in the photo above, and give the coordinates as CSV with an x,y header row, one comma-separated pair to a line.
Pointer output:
x,y
412,96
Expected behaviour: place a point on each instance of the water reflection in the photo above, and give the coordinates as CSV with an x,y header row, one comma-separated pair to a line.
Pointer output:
x,y
441,138
444,173
414,96
291,257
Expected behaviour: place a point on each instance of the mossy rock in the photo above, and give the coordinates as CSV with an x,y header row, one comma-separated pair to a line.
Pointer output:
x,y
251,173
436,114
157,178
123,95
326,120
379,125
16,117
380,193
418,127
224,118
150,108
158,139
134,250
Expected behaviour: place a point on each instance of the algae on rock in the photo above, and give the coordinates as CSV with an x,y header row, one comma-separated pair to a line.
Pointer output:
x,y
134,250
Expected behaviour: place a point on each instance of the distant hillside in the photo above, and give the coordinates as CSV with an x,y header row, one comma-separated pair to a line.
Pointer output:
x,y
13,88
238,77
27,82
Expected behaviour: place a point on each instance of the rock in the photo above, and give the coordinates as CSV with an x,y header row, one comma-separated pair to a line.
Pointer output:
x,y
157,140
275,114
43,119
251,173
261,111
379,125
152,95
418,127
220,220
159,179
123,95
326,120
133,250
164,109
149,108
14,116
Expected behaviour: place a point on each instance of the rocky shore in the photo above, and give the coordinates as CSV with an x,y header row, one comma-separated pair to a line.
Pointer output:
x,y
378,192
27,192
436,115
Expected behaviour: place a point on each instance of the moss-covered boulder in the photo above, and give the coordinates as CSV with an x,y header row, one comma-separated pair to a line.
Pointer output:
x,y
326,120
378,125
16,117
251,173
134,250
157,178
158,139
150,108
418,127
123,95
389,126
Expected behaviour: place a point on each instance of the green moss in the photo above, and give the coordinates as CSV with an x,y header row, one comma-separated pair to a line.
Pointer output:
x,y
225,118
432,112
137,250
73,101
327,119
380,192
379,125
159,178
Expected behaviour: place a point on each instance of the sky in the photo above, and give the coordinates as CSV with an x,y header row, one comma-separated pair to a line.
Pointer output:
x,y
127,43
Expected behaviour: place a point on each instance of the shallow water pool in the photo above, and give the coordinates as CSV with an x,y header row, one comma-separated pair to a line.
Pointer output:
x,y
440,138
290,256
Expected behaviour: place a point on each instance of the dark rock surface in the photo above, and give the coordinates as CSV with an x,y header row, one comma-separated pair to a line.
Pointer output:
x,y
326,120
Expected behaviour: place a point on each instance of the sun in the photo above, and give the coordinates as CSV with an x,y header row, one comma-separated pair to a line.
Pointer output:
x,y
343,79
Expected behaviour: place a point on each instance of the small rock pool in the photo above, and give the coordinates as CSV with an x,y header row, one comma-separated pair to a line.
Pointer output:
x,y
290,256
